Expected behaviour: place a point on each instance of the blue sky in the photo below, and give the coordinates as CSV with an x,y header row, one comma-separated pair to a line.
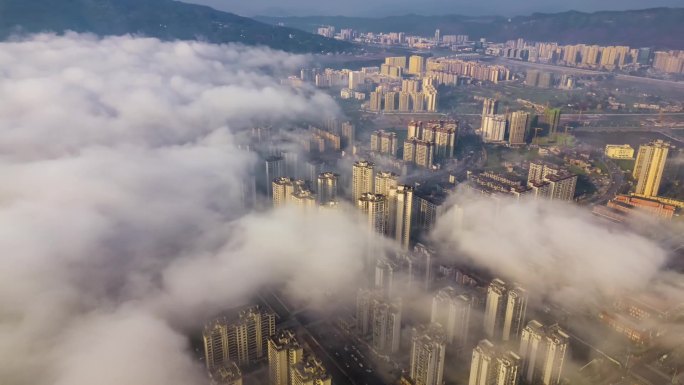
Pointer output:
x,y
397,7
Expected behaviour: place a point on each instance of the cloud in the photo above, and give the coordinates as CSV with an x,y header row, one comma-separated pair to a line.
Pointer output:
x,y
121,224
555,250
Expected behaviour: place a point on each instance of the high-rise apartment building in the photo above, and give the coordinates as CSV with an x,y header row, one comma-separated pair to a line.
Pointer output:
x,y
310,371
375,210
418,101
386,325
494,128
397,61
415,130
540,170
284,190
416,65
551,182
401,214
516,309
242,339
420,152
504,311
384,142
326,187
495,308
445,141
391,101
532,78
543,350
404,102
410,85
428,209
519,122
452,310
428,347
304,199
284,351
386,271
385,181
274,167
492,366
228,374
562,186
430,96
364,310
375,101
356,79
489,107
649,167
362,179
348,135
552,118
442,134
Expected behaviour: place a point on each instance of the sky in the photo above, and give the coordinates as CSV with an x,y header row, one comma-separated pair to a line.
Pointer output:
x,y
428,7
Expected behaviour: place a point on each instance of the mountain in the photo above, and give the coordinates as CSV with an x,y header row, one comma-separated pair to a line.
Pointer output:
x,y
656,27
163,19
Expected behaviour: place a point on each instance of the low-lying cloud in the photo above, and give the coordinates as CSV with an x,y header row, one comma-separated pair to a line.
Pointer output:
x,y
556,250
120,215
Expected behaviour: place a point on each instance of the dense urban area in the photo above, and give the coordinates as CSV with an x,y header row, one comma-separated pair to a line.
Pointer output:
x,y
427,124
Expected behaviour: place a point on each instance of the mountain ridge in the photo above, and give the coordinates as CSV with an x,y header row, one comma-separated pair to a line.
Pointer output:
x,y
163,19
659,27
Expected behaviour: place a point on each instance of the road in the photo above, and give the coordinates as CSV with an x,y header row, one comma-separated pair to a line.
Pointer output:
x,y
326,343
617,179
582,71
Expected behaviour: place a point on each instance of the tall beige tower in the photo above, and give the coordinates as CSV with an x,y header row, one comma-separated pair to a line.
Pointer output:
x,y
310,371
452,310
326,185
516,308
428,347
282,190
362,179
385,181
401,214
374,208
386,325
649,167
242,339
518,127
416,65
284,351
492,366
543,353
495,308
504,311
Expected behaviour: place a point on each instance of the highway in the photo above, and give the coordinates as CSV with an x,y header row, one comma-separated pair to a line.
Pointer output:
x,y
340,355
583,71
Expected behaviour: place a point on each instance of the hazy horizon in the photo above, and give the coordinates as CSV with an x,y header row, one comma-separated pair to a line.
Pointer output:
x,y
383,8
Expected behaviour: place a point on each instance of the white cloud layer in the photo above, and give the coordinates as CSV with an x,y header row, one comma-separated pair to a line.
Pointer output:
x,y
120,214
556,250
